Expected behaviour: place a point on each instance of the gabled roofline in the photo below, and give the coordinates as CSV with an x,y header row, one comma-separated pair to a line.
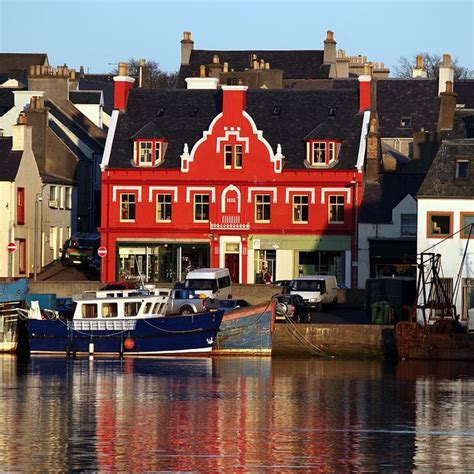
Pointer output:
x,y
110,139
363,141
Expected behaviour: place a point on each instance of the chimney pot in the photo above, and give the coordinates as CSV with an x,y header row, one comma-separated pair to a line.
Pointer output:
x,y
186,36
226,67
367,69
215,59
329,35
202,70
123,69
32,71
419,62
22,119
267,65
73,74
446,59
38,70
255,64
449,87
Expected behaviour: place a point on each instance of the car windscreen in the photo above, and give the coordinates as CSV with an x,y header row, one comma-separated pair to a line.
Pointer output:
x,y
201,284
307,285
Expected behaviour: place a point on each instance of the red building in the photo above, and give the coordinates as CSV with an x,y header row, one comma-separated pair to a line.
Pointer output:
x,y
251,180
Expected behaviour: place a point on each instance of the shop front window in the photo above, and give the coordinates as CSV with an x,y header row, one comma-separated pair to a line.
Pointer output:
x,y
322,263
265,266
160,262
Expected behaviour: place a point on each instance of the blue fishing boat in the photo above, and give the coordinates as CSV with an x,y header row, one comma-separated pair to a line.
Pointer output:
x,y
125,323
246,331
12,297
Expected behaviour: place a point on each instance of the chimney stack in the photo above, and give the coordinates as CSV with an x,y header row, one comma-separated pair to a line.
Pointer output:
x,y
365,90
446,73
373,150
122,86
329,56
21,134
419,70
187,45
234,102
447,108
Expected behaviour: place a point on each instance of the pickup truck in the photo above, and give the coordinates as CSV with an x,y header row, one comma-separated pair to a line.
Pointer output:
x,y
184,302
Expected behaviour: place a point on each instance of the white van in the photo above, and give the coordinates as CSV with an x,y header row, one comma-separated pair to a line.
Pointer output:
x,y
316,290
212,282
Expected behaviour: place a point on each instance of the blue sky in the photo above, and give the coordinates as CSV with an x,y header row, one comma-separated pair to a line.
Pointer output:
x,y
97,33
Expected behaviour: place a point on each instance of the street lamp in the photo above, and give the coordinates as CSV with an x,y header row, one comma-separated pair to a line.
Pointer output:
x,y
38,199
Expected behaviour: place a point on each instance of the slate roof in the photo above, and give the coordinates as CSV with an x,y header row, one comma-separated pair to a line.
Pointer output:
x,y
21,61
381,197
10,160
464,88
6,100
441,179
85,97
300,113
52,179
415,98
76,124
297,64
107,88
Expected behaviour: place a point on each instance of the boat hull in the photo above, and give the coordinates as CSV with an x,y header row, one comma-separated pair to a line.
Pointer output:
x,y
12,297
246,331
175,335
413,342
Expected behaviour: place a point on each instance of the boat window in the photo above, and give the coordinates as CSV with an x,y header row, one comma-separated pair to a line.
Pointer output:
x,y
131,308
109,310
148,307
158,308
89,310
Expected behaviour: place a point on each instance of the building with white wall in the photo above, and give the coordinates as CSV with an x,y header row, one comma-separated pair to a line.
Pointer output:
x,y
446,219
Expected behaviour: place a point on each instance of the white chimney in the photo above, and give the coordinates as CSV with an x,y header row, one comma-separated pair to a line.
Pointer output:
x,y
446,73
202,82
419,69
21,134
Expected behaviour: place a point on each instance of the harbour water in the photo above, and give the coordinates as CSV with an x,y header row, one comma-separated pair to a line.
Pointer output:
x,y
235,415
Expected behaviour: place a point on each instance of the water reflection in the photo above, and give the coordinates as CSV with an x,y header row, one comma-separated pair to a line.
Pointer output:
x,y
241,414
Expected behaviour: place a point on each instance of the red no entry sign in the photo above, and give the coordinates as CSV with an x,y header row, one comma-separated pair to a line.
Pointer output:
x,y
11,246
102,252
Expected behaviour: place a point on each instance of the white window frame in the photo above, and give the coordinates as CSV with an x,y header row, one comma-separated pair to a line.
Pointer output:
x,y
122,202
158,204
300,206
195,204
264,205
337,205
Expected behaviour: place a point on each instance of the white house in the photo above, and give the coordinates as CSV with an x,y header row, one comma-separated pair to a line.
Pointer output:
x,y
20,191
446,220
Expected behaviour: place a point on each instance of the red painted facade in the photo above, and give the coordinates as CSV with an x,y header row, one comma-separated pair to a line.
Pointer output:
x,y
236,231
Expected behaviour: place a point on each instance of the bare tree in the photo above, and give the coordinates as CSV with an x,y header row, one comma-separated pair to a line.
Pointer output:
x,y
153,77
431,63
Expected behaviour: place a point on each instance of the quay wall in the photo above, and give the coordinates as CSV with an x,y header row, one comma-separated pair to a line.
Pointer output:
x,y
339,340
253,293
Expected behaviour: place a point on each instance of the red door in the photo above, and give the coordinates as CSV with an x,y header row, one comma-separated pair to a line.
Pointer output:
x,y
232,263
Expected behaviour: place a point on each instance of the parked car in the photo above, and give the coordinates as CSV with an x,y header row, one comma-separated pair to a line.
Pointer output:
x,y
292,307
281,282
228,305
316,290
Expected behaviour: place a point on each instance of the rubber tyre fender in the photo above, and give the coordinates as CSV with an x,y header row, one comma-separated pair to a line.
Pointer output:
x,y
71,350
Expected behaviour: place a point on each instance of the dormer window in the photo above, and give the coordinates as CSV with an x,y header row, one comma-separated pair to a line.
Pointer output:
x,y
405,122
321,153
148,152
